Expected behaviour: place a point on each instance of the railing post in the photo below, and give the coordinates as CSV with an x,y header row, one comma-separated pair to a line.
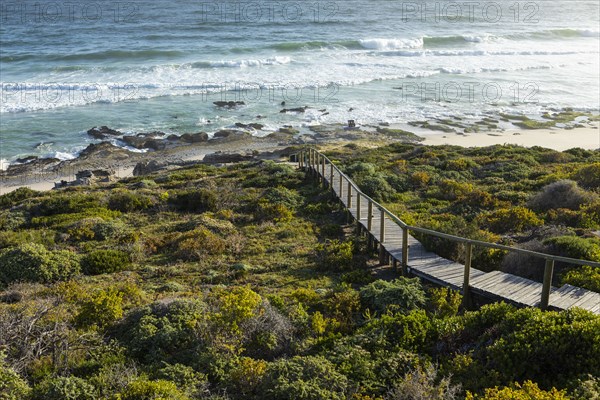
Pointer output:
x,y
548,271
467,275
358,207
331,176
382,227
382,255
405,251
341,187
369,215
310,160
323,168
349,202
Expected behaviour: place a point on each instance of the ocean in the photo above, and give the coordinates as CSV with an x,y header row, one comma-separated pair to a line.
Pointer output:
x,y
159,65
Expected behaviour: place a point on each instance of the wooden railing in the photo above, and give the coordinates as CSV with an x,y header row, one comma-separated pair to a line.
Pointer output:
x,y
315,162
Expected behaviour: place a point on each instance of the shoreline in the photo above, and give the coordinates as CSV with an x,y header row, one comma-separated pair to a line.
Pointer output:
x,y
123,162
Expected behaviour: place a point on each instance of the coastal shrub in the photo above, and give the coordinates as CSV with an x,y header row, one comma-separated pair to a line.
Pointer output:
x,y
189,381
273,212
12,386
575,247
196,244
194,200
335,255
283,196
588,176
515,219
451,190
561,194
307,377
375,186
101,309
61,388
585,277
144,389
360,168
67,203
343,304
402,293
424,383
444,302
127,201
34,263
10,199
590,215
420,179
166,330
528,391
547,337
105,262
411,331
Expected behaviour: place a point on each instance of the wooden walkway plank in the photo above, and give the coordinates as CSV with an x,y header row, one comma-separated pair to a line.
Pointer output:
x,y
430,266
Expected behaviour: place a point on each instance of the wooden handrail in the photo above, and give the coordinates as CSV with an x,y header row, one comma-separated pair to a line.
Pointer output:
x,y
442,235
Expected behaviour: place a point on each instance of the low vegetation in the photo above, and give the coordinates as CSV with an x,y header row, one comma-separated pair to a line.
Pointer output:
x,y
244,282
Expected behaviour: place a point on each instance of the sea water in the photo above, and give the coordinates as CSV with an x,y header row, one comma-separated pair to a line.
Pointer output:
x,y
66,66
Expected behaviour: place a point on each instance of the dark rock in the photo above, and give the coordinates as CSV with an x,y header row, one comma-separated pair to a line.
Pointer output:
x,y
33,167
260,117
224,158
147,167
155,144
103,149
135,141
228,104
26,160
253,125
288,130
103,132
173,138
145,141
88,177
296,110
194,137
223,133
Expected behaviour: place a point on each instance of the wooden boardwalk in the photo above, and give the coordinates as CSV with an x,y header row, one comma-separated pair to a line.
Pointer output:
x,y
387,230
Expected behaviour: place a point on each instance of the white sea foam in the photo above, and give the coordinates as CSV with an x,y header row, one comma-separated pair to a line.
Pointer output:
x,y
391,44
4,164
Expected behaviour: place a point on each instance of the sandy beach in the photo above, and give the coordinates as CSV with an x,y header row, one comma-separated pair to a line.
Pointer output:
x,y
556,139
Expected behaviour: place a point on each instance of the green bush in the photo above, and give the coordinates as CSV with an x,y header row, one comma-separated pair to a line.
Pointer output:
x,y
16,196
163,331
528,391
515,219
588,176
12,386
101,309
128,201
303,378
283,196
105,262
397,331
194,200
62,388
34,263
375,186
335,255
585,277
143,389
402,293
575,247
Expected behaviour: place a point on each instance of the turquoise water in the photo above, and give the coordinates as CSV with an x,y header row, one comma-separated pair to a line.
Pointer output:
x,y
158,65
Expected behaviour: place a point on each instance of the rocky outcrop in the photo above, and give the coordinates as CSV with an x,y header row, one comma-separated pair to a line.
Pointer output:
x,y
103,150
225,158
193,137
228,104
294,110
88,177
252,125
147,167
104,132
